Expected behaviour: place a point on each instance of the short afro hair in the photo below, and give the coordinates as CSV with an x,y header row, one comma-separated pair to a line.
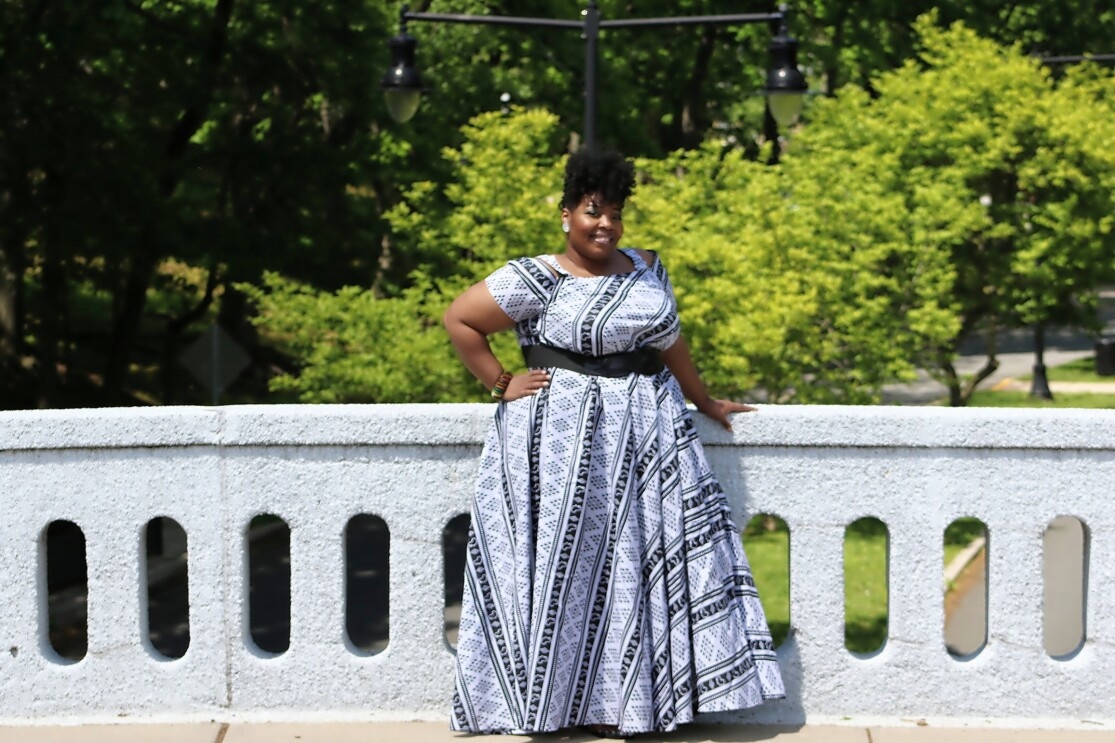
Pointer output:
x,y
603,172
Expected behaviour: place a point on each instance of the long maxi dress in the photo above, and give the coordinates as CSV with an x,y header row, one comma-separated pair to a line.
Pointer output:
x,y
605,581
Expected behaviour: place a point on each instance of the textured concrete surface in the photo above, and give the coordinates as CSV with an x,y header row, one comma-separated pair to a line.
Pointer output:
x,y
315,467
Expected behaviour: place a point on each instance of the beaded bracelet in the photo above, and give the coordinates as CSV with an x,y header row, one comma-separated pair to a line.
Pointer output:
x,y
501,385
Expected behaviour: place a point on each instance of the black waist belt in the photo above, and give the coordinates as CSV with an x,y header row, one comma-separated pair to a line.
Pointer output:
x,y
644,361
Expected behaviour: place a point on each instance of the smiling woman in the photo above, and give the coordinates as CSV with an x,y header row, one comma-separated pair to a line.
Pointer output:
x,y
594,228
605,585
592,217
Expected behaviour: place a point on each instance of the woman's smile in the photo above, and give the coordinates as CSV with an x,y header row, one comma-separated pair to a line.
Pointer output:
x,y
595,229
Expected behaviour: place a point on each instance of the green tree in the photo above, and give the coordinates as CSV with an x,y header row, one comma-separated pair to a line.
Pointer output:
x,y
1026,171
501,202
155,154
855,42
798,282
137,137
354,347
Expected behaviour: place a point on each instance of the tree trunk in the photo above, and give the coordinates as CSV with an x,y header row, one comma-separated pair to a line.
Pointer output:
x,y
693,119
52,300
174,328
952,383
50,330
9,327
13,262
125,325
988,369
689,125
133,295
959,392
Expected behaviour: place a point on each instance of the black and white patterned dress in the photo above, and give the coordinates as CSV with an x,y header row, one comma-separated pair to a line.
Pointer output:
x,y
605,581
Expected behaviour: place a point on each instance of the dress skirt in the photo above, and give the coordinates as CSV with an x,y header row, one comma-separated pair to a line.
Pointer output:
x,y
605,580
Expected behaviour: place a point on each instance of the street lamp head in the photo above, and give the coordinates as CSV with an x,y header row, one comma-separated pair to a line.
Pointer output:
x,y
402,86
786,85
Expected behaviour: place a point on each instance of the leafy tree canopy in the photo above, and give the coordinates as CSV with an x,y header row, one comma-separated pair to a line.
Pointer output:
x,y
156,154
798,283
1026,170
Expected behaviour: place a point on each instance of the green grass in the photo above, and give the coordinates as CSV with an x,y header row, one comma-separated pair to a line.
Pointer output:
x,y
1020,399
768,552
1081,370
865,586
961,532
865,570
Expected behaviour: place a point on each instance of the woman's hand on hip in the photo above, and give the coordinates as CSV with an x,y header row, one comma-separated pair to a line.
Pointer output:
x,y
525,385
719,410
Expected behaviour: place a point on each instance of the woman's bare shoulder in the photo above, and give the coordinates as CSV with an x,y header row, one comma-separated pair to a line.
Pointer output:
x,y
649,256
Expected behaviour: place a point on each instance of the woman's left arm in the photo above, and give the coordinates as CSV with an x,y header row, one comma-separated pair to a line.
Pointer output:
x,y
680,364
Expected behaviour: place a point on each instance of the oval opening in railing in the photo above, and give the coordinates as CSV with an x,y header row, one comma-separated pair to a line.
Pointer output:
x,y
268,539
1065,554
866,585
766,540
67,587
168,595
966,546
454,542
367,582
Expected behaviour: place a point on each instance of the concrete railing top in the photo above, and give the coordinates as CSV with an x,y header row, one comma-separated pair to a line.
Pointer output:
x,y
439,424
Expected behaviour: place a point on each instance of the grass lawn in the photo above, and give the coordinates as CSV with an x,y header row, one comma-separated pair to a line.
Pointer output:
x,y
865,586
865,576
1020,399
1081,370
769,552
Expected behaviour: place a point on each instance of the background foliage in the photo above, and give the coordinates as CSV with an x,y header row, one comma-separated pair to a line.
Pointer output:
x,y
159,157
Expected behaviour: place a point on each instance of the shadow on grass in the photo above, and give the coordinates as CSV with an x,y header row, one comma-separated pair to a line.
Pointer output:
x,y
778,631
865,635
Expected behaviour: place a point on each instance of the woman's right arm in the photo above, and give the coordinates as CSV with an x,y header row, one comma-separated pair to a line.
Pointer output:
x,y
470,319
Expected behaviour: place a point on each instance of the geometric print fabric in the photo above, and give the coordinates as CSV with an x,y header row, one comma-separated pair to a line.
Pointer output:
x,y
605,582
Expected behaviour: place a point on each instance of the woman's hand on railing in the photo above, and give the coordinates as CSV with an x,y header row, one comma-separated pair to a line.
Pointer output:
x,y
719,410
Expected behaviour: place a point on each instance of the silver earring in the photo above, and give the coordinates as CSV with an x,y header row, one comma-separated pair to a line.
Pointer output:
x,y
565,227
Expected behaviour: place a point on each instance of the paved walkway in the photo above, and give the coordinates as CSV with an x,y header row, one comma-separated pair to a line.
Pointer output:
x,y
1016,359
432,732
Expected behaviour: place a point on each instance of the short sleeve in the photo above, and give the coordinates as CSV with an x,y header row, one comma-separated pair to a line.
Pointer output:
x,y
521,288
659,270
664,332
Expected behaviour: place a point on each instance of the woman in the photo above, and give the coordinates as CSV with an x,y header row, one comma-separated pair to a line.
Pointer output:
x,y
605,583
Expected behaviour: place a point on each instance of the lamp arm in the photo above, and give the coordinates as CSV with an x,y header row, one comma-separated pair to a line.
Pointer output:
x,y
489,20
783,48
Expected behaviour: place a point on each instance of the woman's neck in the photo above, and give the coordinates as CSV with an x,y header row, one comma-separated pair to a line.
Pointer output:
x,y
617,262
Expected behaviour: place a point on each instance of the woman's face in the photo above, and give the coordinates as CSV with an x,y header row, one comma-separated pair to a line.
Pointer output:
x,y
595,228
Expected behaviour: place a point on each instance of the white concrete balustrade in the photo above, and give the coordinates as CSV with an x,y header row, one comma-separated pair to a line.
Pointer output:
x,y
819,468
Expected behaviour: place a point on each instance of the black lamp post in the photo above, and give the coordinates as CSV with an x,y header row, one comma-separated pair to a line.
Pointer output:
x,y
785,85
